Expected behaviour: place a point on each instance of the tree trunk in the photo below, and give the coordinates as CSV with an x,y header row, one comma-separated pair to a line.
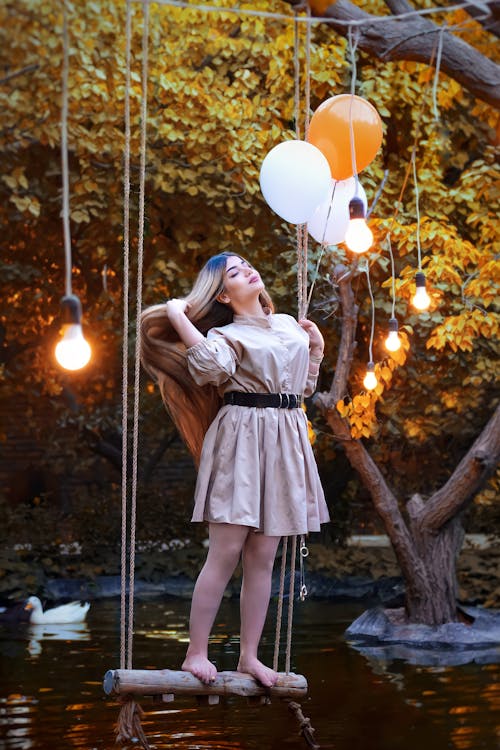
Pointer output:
x,y
432,599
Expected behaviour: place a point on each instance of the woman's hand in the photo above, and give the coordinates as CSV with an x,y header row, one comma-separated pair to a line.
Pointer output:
x,y
316,341
176,307
188,333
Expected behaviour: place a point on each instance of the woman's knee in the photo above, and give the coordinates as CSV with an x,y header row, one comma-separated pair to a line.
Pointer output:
x,y
259,553
225,549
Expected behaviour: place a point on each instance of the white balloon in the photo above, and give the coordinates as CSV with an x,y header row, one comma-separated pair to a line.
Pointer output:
x,y
330,220
295,178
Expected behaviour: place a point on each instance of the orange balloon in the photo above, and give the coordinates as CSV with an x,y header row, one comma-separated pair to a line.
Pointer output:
x,y
330,131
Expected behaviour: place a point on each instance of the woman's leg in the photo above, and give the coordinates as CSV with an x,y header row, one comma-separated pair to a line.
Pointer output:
x,y
225,545
258,560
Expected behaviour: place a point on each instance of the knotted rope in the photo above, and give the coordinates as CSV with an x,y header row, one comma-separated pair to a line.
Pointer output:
x,y
128,725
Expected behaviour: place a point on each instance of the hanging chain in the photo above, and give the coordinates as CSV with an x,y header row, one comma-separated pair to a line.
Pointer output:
x,y
303,552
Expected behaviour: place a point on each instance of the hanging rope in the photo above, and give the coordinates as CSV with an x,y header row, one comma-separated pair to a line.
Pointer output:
x,y
128,726
126,271
137,371
302,235
306,730
279,613
291,598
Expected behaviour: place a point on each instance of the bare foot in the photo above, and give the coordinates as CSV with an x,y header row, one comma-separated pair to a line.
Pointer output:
x,y
266,676
200,667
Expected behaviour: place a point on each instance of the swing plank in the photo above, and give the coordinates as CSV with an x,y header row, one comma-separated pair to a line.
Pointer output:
x,y
171,682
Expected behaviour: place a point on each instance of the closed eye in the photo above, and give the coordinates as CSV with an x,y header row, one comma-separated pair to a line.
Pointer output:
x,y
233,270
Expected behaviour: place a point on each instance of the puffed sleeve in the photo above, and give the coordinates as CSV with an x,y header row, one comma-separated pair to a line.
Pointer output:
x,y
212,360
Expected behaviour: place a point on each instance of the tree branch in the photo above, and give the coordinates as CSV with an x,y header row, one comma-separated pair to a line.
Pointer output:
x,y
414,39
474,469
20,72
489,21
384,500
399,6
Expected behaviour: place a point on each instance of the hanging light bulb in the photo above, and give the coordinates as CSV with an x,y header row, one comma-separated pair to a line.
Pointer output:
x,y
392,342
72,351
421,300
358,237
370,381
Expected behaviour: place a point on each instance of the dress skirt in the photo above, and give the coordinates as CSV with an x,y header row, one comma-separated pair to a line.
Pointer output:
x,y
257,467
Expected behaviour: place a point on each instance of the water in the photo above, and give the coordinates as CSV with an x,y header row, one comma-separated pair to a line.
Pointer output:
x,y
51,688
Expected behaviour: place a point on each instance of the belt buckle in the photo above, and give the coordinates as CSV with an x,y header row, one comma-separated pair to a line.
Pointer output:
x,y
284,404
292,401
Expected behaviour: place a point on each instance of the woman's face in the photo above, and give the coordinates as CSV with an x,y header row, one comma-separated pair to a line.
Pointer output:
x,y
242,282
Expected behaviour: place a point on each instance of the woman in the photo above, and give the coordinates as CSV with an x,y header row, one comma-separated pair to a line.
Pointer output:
x,y
257,478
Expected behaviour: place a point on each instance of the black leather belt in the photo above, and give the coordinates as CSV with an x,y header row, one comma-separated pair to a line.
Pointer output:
x,y
264,400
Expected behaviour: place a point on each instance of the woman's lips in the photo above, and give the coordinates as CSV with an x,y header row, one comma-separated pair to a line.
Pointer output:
x,y
254,278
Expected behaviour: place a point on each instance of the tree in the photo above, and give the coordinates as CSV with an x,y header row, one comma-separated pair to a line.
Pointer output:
x,y
220,96
428,540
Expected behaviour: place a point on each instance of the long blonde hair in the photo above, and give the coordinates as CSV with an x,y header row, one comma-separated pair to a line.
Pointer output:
x,y
191,406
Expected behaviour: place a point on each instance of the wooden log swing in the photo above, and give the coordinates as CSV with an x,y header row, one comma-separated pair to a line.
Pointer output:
x,y
168,683
163,685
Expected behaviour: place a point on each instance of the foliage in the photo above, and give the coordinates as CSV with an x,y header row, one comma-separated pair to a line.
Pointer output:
x,y
220,95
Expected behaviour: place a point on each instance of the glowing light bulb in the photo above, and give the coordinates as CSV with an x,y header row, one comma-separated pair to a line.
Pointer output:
x,y
392,342
72,352
421,299
358,237
370,381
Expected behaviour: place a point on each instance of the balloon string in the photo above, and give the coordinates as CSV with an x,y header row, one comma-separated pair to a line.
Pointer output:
x,y
296,68
330,206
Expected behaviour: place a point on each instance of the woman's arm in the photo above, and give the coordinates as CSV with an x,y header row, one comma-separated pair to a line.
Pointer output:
x,y
188,333
316,346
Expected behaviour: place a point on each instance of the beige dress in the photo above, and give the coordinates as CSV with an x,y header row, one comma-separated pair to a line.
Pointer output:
x,y
257,466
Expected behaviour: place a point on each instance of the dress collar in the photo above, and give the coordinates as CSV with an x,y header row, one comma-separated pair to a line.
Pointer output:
x,y
253,320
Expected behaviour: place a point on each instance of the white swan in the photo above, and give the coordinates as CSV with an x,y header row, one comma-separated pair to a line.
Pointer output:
x,y
65,613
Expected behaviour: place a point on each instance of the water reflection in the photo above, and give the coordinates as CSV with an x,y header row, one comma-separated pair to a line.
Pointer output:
x,y
51,688
428,657
67,632
16,717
